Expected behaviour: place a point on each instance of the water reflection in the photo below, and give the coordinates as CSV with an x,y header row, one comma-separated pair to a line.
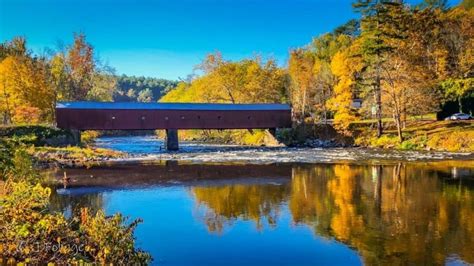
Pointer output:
x,y
249,202
391,214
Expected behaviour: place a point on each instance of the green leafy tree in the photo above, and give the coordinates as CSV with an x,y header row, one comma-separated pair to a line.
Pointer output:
x,y
145,96
441,4
378,27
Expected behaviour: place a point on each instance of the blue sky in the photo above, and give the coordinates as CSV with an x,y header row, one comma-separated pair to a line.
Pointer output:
x,y
166,38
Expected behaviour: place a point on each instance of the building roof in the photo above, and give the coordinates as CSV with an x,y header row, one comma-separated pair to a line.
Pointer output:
x,y
172,106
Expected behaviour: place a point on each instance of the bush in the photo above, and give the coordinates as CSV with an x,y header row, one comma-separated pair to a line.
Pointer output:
x,y
28,232
16,163
385,141
108,240
31,233
408,145
37,135
89,136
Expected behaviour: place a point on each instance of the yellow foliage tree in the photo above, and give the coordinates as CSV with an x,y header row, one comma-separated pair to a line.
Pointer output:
x,y
344,68
300,68
26,91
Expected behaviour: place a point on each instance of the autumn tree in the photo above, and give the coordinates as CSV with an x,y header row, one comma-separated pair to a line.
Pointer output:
x,y
104,84
456,67
324,48
300,68
9,52
80,60
346,67
26,95
378,27
467,4
441,4
245,81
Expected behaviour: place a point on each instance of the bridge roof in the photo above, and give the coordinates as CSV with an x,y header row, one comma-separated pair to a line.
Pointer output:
x,y
171,106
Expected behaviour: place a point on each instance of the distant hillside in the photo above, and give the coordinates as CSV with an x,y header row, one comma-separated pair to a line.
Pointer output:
x,y
142,89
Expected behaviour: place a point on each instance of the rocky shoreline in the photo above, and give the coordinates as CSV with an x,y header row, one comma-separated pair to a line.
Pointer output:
x,y
251,155
77,158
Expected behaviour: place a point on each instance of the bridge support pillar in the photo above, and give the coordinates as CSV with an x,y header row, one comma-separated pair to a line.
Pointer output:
x,y
171,140
272,131
76,135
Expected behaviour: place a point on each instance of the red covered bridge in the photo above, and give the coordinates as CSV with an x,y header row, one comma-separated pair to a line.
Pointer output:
x,y
170,116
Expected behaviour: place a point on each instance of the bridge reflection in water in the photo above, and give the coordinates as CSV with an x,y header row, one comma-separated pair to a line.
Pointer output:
x,y
390,214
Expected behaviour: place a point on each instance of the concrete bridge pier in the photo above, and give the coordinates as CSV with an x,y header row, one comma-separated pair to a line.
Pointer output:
x,y
171,140
76,136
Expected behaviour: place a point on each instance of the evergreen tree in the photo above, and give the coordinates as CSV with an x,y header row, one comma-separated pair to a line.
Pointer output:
x,y
378,27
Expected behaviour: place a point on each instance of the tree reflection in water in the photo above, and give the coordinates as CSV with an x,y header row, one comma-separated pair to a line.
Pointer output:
x,y
249,202
397,214
71,205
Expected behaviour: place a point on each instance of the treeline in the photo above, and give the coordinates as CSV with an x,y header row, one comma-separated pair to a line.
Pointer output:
x,y
398,60
31,84
247,81
395,61
141,89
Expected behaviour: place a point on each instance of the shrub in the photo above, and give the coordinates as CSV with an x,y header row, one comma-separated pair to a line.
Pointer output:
x,y
6,155
385,141
31,233
108,240
16,163
89,136
36,135
28,232
408,145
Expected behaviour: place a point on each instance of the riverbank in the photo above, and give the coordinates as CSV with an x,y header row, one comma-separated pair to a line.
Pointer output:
x,y
32,232
419,135
425,140
448,136
146,149
48,157
51,147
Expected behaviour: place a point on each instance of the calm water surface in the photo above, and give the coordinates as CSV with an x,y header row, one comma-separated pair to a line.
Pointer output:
x,y
287,213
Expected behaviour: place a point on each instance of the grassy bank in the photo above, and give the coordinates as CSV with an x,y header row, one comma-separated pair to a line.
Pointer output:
x,y
452,136
55,147
420,133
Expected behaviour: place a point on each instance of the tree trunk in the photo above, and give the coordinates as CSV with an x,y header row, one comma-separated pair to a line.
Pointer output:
x,y
460,104
404,115
399,127
378,102
303,106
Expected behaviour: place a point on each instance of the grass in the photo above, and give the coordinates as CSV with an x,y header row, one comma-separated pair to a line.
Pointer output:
x,y
48,144
79,152
453,136
73,156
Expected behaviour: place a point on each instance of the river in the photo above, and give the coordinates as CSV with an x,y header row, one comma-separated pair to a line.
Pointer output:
x,y
230,205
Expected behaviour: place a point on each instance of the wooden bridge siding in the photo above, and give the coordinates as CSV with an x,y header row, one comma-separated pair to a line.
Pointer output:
x,y
102,119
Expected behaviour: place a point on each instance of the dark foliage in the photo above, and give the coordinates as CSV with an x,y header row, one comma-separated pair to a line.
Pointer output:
x,y
130,87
